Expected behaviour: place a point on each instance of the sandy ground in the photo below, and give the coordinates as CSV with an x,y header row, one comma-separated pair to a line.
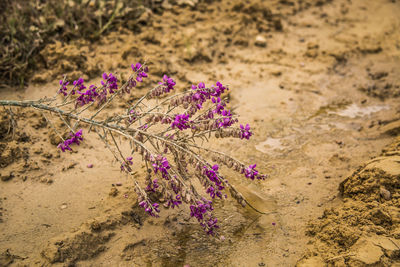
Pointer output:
x,y
318,82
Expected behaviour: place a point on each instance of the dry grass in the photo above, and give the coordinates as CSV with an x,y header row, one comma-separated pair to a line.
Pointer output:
x,y
26,26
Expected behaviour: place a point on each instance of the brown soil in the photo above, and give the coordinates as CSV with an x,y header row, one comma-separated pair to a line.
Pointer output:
x,y
309,76
364,230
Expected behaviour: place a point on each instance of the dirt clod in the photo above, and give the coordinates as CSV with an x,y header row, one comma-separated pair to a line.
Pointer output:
x,y
365,226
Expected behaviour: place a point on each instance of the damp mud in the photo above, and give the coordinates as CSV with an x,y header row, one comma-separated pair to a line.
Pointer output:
x,y
318,81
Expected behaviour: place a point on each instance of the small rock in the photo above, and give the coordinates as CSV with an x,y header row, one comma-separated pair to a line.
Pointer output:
x,y
260,41
276,73
113,192
8,177
312,50
95,226
63,206
385,193
241,41
190,3
90,165
312,45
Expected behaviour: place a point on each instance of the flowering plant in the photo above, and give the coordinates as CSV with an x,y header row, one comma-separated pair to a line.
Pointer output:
x,y
163,130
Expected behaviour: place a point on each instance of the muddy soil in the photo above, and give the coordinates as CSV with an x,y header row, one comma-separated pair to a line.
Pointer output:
x,y
318,82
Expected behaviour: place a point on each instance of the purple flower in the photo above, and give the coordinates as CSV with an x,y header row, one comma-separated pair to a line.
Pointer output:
x,y
76,138
168,84
79,84
174,202
125,165
212,175
143,127
63,90
136,67
181,122
161,164
202,94
202,211
110,82
251,172
139,73
151,209
87,97
245,132
152,186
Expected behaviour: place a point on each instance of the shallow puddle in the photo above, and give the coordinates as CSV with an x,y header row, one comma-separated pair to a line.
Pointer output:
x,y
354,111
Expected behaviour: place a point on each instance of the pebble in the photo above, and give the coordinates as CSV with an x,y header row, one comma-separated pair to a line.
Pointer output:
x,y
385,193
90,165
260,41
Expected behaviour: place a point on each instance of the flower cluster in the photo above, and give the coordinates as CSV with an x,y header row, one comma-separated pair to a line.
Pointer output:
x,y
163,87
63,90
245,132
212,175
202,94
126,165
152,186
78,85
168,83
151,209
87,97
141,72
161,164
173,202
181,122
202,211
251,172
76,138
110,82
